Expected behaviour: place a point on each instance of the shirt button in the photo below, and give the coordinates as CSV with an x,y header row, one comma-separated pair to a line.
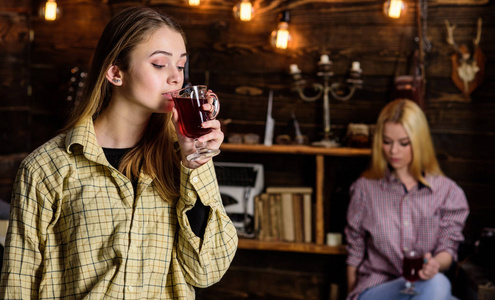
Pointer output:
x,y
406,223
190,194
129,288
195,179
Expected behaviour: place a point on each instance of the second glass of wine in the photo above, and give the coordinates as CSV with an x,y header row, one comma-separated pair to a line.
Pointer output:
x,y
412,264
189,104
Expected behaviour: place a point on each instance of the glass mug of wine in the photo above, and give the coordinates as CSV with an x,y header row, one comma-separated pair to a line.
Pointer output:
x,y
411,265
188,102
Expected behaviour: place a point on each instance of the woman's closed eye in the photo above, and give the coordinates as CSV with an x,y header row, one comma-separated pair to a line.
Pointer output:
x,y
158,66
403,144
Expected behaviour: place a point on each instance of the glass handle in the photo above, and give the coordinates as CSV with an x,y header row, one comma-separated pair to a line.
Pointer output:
x,y
215,104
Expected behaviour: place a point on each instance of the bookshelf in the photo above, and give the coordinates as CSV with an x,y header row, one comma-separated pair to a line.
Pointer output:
x,y
289,149
319,153
290,247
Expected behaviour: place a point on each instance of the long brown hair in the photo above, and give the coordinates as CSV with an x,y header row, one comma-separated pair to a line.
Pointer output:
x,y
411,117
155,153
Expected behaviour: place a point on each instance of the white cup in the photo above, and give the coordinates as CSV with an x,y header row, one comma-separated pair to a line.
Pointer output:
x,y
334,239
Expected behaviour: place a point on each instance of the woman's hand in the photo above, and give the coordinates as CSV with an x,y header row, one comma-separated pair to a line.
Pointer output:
x,y
213,138
430,267
213,105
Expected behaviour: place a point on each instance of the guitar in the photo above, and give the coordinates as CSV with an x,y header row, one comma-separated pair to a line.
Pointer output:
x,y
413,86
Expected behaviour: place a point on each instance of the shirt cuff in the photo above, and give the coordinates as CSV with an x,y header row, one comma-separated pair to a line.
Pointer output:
x,y
451,249
200,182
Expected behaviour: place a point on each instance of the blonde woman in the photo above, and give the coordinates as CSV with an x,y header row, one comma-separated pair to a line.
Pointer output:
x,y
403,201
111,208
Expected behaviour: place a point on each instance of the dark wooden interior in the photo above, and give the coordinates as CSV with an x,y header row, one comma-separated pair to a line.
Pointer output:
x,y
36,58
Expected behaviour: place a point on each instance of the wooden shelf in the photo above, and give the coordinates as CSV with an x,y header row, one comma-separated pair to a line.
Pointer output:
x,y
252,244
296,149
319,153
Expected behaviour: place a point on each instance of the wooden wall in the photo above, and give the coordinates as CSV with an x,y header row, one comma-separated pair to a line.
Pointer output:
x,y
229,55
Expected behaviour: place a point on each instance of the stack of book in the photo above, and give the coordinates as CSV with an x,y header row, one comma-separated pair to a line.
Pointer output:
x,y
284,214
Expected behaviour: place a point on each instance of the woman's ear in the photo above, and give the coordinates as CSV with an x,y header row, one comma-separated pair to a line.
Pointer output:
x,y
114,75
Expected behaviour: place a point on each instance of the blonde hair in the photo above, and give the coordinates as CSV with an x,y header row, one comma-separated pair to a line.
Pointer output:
x,y
155,153
411,117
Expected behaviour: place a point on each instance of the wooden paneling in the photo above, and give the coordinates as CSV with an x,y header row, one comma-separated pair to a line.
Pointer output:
x,y
14,69
277,275
14,86
14,131
226,55
70,40
8,170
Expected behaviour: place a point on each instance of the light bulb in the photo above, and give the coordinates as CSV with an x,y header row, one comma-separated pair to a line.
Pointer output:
x,y
194,2
393,8
281,36
50,11
244,10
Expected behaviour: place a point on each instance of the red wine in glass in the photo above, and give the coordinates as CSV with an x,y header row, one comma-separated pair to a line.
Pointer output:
x,y
191,116
411,265
188,102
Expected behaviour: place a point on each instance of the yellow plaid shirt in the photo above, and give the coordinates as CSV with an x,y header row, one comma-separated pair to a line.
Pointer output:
x,y
78,230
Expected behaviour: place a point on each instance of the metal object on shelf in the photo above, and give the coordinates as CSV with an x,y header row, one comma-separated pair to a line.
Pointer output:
x,y
239,183
338,90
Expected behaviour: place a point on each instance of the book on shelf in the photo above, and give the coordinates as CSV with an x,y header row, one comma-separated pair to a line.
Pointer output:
x,y
285,214
307,217
258,211
288,217
265,233
275,223
297,200
289,189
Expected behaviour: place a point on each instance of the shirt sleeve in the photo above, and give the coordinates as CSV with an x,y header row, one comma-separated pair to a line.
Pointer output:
x,y
355,234
204,262
198,218
22,265
453,216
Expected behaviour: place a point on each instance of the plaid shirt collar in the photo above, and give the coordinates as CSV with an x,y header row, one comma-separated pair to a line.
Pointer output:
x,y
83,134
390,178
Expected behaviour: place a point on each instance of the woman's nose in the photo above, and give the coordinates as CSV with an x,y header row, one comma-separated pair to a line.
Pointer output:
x,y
393,148
174,76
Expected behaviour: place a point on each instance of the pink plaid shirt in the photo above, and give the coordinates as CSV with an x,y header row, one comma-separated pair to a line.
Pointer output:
x,y
384,218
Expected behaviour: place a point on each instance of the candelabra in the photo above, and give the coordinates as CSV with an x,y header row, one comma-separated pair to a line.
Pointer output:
x,y
341,91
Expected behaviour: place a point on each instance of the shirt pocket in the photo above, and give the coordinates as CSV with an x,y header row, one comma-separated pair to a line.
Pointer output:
x,y
429,228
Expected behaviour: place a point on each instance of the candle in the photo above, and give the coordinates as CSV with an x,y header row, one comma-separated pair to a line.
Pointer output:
x,y
294,69
356,66
324,59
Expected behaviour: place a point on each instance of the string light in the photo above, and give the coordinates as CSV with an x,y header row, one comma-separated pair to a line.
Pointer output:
x,y
280,37
244,11
50,11
193,2
394,8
